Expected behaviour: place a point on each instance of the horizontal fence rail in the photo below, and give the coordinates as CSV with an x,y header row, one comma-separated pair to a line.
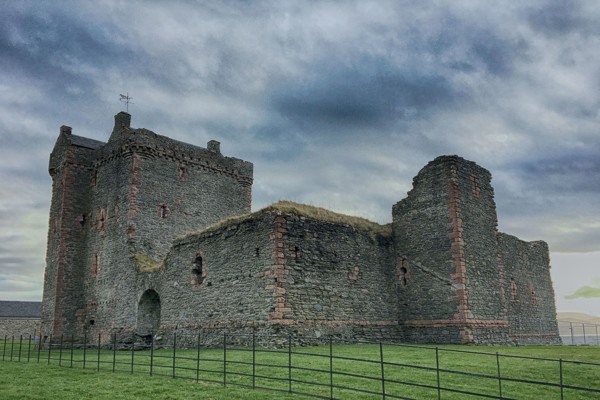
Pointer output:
x,y
318,368
579,333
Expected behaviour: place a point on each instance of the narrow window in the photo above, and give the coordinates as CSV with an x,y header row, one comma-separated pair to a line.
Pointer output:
x,y
402,271
198,271
257,252
163,211
475,189
182,172
296,252
513,290
101,219
95,265
82,220
403,280
533,296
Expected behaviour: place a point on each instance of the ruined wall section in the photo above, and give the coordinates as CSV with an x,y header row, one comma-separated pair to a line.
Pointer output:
x,y
339,279
70,167
228,291
528,291
428,298
447,260
277,272
474,229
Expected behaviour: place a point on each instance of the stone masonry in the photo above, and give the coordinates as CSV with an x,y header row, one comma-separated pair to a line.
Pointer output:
x,y
149,236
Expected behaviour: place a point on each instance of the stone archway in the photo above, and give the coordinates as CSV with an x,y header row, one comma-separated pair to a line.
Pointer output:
x,y
148,315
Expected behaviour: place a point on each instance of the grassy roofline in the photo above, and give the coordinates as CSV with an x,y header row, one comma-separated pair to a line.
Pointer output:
x,y
303,210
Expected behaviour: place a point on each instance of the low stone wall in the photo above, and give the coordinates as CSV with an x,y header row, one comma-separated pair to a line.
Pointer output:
x,y
17,327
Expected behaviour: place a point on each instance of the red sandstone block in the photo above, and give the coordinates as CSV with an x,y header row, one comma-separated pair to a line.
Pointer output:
x,y
280,291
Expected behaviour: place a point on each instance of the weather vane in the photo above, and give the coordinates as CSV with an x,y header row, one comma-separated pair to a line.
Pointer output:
x,y
126,99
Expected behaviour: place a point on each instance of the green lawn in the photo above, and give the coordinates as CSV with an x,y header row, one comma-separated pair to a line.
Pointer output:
x,y
409,372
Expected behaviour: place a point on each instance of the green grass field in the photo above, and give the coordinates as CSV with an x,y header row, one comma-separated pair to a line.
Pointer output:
x,y
410,372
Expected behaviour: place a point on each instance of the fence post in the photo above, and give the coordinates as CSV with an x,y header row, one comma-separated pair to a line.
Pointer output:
x,y
382,370
151,353
99,342
254,359
49,348
499,375
224,358
290,362
331,368
560,364
174,351
60,351
132,352
114,351
72,341
572,337
84,347
12,345
583,327
39,346
29,349
20,347
437,368
198,358
597,341
4,351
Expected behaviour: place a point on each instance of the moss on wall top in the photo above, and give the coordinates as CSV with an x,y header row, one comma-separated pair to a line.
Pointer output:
x,y
302,210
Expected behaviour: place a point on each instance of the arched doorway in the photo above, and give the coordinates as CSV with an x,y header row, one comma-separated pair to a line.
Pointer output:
x,y
148,315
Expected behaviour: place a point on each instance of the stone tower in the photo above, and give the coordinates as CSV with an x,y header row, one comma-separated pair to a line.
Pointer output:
x,y
448,257
116,207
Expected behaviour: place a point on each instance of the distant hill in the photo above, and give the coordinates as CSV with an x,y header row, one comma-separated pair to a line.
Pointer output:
x,y
578,317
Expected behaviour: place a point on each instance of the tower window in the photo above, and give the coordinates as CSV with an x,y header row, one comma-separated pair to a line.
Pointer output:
x,y
402,271
296,251
533,296
95,265
101,219
513,290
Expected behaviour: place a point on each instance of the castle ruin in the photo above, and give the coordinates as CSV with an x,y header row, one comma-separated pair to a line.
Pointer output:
x,y
149,235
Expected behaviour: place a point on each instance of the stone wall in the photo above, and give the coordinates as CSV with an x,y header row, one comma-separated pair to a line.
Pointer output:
x,y
20,327
339,279
528,291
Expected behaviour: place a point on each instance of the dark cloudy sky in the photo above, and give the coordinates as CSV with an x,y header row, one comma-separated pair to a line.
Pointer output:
x,y
338,104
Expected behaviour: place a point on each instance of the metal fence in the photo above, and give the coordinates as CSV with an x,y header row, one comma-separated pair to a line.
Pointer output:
x,y
319,368
579,333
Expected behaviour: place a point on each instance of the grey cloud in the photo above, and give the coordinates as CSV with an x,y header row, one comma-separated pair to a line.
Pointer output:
x,y
369,92
53,48
565,17
568,173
